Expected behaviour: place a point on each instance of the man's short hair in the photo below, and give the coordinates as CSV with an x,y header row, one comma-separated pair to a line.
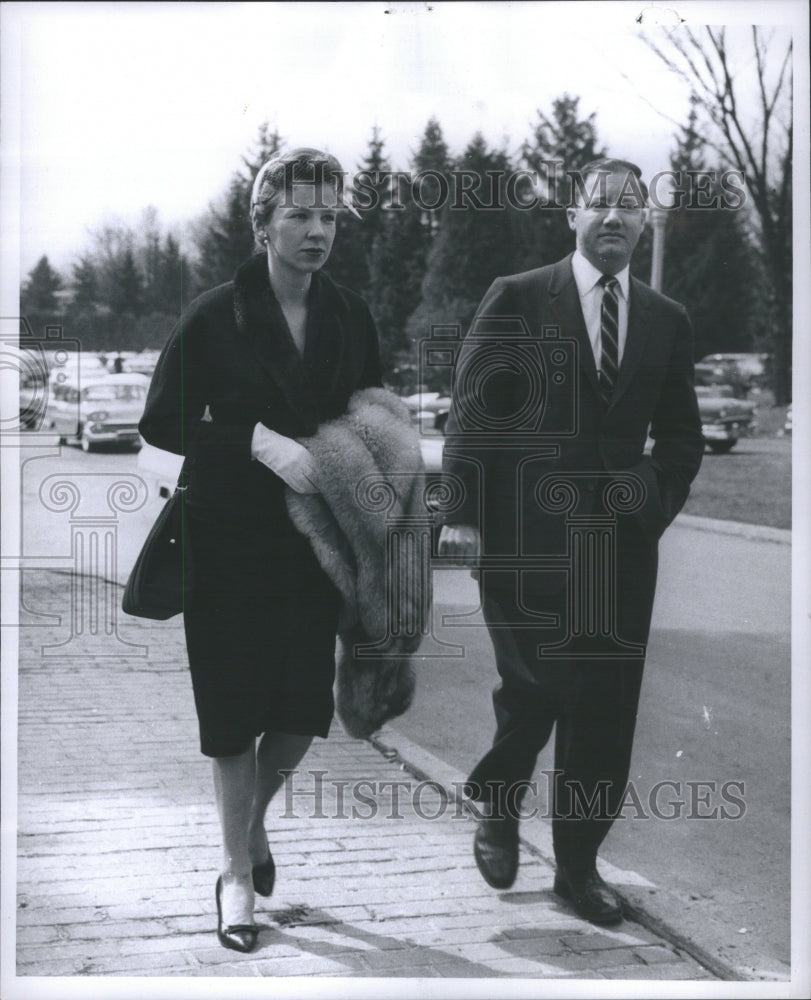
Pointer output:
x,y
608,165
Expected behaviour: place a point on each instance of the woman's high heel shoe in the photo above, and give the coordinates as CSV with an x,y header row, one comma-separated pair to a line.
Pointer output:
x,y
239,937
264,876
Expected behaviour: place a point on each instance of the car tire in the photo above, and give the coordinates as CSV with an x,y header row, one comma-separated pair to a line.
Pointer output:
x,y
722,447
86,443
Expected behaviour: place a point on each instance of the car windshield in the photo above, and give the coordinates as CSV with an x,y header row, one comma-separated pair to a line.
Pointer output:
x,y
117,393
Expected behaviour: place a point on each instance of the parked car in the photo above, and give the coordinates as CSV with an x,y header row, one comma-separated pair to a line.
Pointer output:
x,y
72,366
428,409
431,448
143,363
742,371
97,410
752,365
32,366
724,419
30,406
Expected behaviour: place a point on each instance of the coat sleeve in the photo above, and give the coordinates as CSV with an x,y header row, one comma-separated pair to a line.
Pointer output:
x,y
675,429
175,417
676,425
481,392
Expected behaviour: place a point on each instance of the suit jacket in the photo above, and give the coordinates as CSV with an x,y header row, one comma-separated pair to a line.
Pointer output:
x,y
533,444
230,363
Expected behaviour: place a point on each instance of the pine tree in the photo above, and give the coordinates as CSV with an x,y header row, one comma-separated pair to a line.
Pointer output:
x,y
400,249
709,263
474,244
565,138
375,169
268,143
559,143
126,286
85,284
224,238
431,159
348,264
38,294
175,286
150,259
395,278
111,243
350,261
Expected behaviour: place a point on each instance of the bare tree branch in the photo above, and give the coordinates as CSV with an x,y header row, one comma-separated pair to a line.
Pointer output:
x,y
762,151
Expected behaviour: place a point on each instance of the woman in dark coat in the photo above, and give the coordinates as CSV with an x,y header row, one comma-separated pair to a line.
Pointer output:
x,y
252,365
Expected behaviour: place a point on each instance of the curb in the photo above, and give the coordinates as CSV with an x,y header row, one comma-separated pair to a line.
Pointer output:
x,y
754,532
654,914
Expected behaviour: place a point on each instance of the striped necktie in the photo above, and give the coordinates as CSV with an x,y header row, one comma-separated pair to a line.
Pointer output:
x,y
609,337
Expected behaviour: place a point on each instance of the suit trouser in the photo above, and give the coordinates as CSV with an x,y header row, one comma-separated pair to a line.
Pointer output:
x,y
591,702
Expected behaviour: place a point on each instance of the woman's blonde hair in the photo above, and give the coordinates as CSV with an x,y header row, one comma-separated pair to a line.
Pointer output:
x,y
276,177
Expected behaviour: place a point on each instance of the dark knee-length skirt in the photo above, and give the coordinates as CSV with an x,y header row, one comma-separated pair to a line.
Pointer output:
x,y
260,633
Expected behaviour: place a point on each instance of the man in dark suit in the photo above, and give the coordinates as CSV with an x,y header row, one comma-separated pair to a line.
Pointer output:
x,y
565,372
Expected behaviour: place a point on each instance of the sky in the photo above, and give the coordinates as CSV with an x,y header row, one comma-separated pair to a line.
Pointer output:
x,y
111,107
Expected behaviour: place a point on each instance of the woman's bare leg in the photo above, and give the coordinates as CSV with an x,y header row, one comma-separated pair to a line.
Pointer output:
x,y
276,752
234,782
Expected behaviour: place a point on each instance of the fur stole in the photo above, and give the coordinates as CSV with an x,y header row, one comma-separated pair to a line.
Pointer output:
x,y
371,472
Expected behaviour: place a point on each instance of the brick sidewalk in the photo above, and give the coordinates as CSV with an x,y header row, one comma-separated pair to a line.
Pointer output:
x,y
118,844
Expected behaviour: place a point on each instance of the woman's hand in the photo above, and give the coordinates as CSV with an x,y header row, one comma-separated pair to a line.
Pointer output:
x,y
286,457
460,543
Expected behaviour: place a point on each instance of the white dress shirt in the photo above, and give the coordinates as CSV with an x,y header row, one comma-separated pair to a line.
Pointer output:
x,y
587,279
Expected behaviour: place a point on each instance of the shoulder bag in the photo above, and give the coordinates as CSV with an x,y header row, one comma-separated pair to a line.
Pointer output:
x,y
160,580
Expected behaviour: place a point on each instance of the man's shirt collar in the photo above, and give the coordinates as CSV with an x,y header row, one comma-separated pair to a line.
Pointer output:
x,y
586,275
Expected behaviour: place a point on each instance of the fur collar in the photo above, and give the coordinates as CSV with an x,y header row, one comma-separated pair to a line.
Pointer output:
x,y
260,320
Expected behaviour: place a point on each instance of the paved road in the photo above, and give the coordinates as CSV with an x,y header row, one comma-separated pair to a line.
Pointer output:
x,y
46,516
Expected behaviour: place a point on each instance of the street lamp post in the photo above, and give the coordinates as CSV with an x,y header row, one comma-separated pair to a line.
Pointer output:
x,y
658,220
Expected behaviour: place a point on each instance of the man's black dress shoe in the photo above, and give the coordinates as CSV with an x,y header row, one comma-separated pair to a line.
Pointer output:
x,y
591,898
495,848
239,937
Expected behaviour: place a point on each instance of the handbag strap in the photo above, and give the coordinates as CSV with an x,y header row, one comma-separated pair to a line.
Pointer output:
x,y
181,485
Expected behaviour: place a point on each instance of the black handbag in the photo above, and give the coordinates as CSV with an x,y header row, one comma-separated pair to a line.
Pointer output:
x,y
160,580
